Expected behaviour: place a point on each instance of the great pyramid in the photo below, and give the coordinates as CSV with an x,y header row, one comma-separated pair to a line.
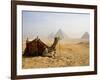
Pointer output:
x,y
59,34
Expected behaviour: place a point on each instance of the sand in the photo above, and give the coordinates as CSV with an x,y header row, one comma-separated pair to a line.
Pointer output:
x,y
68,53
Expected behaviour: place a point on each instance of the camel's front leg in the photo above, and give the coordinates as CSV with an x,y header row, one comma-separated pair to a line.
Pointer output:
x,y
54,54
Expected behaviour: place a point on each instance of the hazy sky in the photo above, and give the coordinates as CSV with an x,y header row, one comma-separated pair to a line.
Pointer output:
x,y
44,23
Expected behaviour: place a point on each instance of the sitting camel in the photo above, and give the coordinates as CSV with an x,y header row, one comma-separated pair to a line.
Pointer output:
x,y
38,48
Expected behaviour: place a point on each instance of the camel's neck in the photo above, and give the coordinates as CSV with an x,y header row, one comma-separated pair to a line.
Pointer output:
x,y
55,43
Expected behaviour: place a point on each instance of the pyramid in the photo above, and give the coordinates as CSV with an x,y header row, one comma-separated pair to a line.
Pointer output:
x,y
85,36
51,35
61,34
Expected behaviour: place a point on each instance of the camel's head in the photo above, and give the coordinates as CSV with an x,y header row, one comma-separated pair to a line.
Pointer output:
x,y
57,38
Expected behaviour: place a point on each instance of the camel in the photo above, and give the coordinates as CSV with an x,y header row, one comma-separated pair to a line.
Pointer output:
x,y
51,51
39,48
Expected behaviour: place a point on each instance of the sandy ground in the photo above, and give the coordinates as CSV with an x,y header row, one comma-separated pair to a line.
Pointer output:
x,y
68,53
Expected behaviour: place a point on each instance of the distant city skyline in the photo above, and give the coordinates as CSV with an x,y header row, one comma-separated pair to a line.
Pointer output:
x,y
41,24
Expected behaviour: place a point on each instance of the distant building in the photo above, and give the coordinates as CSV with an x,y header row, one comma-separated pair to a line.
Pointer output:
x,y
85,36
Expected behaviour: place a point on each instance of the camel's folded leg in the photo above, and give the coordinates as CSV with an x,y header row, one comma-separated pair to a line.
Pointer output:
x,y
54,54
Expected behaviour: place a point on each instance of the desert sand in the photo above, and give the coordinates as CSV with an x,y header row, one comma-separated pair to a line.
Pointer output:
x,y
68,53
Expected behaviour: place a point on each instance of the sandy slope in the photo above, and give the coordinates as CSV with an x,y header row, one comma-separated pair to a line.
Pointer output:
x,y
69,53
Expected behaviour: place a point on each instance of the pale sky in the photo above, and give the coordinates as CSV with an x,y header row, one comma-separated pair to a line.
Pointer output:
x,y
44,23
